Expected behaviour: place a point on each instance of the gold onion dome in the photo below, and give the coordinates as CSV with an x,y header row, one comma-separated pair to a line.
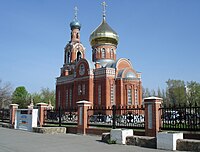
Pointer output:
x,y
104,34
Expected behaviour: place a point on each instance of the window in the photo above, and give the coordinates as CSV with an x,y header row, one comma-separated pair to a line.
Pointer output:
x,y
78,56
129,97
68,57
136,97
83,89
67,102
111,53
59,98
77,35
95,53
99,95
112,94
103,53
79,89
70,97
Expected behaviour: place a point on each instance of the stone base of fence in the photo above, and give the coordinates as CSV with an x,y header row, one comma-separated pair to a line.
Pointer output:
x,y
5,125
188,145
96,131
193,135
105,137
150,142
142,141
49,130
72,130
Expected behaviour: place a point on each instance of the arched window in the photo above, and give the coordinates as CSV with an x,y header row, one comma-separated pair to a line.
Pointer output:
x,y
78,56
99,94
112,94
77,35
83,89
111,53
129,96
67,102
59,98
68,57
103,53
136,97
79,90
70,97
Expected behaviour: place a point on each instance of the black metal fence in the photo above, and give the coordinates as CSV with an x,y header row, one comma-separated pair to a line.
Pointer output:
x,y
177,117
116,117
61,117
5,115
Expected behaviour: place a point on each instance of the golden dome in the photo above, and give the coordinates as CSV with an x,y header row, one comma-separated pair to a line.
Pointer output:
x,y
104,34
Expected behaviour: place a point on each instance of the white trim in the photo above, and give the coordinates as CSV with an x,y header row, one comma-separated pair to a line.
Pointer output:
x,y
153,98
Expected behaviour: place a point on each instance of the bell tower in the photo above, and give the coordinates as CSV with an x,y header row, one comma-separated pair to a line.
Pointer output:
x,y
74,50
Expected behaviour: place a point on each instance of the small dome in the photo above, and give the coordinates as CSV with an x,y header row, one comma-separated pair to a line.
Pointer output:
x,y
130,74
104,34
75,24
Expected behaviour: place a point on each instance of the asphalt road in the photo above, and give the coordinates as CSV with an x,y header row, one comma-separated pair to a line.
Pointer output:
x,y
22,141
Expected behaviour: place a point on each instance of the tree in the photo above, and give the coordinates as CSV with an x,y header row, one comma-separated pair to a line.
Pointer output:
x,y
145,93
5,94
159,93
21,96
176,93
153,93
47,95
36,97
193,92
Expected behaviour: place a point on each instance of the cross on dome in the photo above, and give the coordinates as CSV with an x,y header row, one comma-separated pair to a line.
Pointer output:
x,y
104,8
75,23
75,12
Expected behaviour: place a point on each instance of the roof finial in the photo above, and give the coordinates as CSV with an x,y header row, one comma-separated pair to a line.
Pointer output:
x,y
75,23
104,9
75,12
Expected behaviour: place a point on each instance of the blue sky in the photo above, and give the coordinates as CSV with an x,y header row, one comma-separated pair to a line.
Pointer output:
x,y
160,37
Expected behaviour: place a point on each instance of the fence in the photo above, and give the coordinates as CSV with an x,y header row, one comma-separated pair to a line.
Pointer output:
x,y
116,117
177,117
61,117
5,115
152,117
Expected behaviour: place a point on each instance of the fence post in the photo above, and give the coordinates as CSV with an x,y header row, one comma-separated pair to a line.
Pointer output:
x,y
41,111
114,116
82,116
152,115
13,109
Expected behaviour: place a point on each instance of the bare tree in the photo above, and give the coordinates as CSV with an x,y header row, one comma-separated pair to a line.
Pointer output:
x,y
5,94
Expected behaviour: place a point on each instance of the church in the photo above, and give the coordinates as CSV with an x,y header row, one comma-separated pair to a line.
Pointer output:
x,y
105,81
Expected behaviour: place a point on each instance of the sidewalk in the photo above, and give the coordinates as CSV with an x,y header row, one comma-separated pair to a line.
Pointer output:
x,y
21,141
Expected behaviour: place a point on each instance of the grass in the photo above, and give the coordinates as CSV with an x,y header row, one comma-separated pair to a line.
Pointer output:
x,y
109,141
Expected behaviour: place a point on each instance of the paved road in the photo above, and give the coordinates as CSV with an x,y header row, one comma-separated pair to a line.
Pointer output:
x,y
21,141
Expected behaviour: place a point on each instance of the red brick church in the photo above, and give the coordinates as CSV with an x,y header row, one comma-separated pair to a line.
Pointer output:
x,y
105,81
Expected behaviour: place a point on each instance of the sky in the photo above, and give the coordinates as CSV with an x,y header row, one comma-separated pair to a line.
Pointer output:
x,y
160,37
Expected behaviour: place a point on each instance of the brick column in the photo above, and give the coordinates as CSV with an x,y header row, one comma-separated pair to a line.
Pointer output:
x,y
82,116
152,116
41,112
13,109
